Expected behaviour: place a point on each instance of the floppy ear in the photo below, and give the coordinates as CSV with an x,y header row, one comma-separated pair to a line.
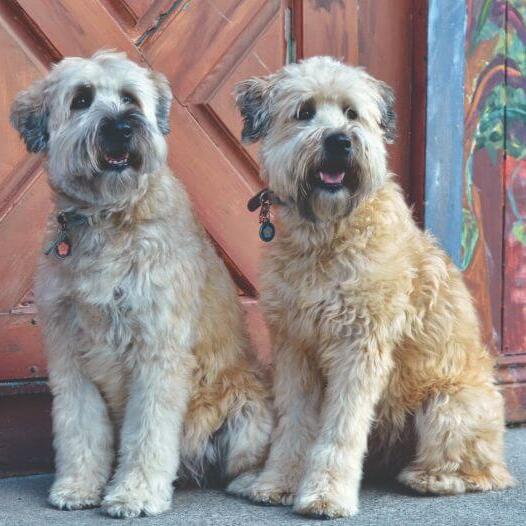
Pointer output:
x,y
164,101
253,101
388,115
29,116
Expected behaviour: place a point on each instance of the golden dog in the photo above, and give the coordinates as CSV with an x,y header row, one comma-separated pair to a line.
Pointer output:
x,y
375,334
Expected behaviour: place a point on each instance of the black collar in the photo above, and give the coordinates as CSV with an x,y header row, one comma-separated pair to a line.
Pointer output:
x,y
68,218
263,195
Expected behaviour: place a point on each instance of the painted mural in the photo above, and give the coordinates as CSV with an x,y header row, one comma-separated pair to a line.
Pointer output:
x,y
493,243
495,174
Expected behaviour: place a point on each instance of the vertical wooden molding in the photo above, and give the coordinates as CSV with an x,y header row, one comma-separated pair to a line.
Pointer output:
x,y
445,123
418,108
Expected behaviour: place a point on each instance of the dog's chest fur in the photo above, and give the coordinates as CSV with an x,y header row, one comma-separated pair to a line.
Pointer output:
x,y
113,287
120,278
326,285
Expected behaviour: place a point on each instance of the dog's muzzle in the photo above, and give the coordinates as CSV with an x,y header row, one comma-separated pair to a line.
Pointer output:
x,y
115,138
337,152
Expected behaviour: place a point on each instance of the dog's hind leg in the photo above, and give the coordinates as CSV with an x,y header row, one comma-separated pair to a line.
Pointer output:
x,y
246,437
83,434
227,427
459,448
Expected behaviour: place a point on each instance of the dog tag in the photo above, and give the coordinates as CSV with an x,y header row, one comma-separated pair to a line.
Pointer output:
x,y
60,246
267,231
63,248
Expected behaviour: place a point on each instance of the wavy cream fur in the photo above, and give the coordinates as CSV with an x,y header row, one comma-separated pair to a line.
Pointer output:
x,y
143,330
375,334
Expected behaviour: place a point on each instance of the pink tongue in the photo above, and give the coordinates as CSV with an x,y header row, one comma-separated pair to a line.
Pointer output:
x,y
332,178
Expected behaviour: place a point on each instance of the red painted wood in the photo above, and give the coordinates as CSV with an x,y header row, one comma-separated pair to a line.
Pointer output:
x,y
77,28
483,68
514,308
204,148
202,36
418,109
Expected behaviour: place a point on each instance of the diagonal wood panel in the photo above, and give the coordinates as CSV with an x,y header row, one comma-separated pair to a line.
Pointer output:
x,y
21,238
19,70
218,193
200,37
78,28
217,182
265,57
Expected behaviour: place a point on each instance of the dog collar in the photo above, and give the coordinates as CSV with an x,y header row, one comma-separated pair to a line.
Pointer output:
x,y
264,200
61,245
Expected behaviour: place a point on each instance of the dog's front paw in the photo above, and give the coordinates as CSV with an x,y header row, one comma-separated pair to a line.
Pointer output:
x,y
72,494
130,499
272,495
324,507
326,498
240,486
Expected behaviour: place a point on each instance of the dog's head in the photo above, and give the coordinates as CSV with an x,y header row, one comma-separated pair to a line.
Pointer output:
x,y
323,127
101,121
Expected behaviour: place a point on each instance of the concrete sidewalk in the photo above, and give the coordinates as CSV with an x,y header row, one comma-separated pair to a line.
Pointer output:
x,y
23,503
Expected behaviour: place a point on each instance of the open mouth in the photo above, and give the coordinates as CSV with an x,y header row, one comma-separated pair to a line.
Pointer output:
x,y
117,161
331,180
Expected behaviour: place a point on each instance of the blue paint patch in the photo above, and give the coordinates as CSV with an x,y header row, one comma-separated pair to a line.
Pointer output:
x,y
445,123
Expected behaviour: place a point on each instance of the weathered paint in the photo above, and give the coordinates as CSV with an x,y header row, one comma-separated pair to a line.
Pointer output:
x,y
445,123
493,244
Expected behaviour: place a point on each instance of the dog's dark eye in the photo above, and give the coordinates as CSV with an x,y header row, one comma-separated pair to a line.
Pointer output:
x,y
306,112
128,98
350,113
82,99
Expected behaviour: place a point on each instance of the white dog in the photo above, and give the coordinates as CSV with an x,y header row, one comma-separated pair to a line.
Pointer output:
x,y
143,331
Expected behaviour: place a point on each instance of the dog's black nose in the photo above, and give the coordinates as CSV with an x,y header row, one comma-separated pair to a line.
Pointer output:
x,y
124,129
337,144
117,130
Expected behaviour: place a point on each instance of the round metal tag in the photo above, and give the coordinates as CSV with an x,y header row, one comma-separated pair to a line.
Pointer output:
x,y
267,232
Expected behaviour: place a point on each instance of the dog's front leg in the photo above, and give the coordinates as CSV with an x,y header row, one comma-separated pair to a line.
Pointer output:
x,y
356,376
149,452
83,433
297,399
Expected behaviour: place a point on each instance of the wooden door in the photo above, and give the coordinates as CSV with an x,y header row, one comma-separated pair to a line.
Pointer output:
x,y
204,47
513,360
